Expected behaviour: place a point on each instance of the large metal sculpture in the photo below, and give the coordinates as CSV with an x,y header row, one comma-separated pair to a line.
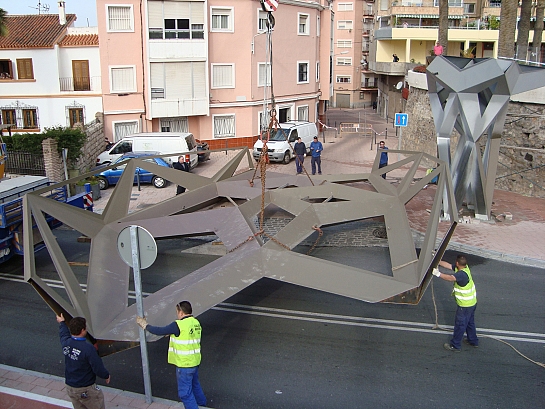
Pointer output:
x,y
471,95
249,256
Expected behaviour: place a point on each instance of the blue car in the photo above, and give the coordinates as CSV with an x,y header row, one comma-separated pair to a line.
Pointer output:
x,y
111,176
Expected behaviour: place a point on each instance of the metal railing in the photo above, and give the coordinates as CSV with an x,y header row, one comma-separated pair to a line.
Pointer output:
x,y
74,84
24,163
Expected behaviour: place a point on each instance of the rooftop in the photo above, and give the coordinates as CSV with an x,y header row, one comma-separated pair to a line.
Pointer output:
x,y
34,30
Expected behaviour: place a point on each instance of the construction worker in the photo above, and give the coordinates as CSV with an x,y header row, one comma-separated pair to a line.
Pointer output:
x,y
184,351
466,297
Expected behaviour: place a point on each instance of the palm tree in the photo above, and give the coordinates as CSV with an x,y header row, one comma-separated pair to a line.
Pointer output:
x,y
3,27
508,22
524,29
443,25
538,28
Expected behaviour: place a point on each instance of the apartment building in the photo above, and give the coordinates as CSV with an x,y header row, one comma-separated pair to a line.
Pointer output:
x,y
201,66
409,29
49,72
354,85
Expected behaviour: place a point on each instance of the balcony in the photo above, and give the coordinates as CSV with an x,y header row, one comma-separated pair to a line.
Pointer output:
x,y
391,68
162,108
78,84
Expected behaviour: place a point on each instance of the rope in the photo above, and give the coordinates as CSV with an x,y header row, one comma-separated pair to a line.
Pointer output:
x,y
320,234
436,326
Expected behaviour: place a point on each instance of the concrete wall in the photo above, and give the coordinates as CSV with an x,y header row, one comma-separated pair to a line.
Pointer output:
x,y
521,165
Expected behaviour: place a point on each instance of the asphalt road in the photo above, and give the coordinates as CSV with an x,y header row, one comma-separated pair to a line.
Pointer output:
x,y
276,345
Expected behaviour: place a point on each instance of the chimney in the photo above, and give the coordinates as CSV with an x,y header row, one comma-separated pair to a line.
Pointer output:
x,y
62,13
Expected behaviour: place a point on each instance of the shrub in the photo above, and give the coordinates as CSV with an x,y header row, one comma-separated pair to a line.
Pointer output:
x,y
69,138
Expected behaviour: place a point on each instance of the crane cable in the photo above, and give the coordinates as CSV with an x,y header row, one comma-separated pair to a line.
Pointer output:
x,y
437,326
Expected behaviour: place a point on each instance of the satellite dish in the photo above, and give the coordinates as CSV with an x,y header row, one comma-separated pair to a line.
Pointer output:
x,y
399,85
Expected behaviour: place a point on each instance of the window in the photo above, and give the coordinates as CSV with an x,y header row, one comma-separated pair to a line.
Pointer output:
x,y
80,74
176,124
302,72
304,24
30,118
344,25
344,78
24,69
264,74
122,79
224,126
469,8
223,75
222,19
178,80
120,18
344,43
302,113
344,60
122,129
317,71
175,20
9,117
261,21
75,115
5,69
263,121
345,6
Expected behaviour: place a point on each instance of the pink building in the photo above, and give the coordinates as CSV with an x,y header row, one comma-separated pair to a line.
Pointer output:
x,y
201,66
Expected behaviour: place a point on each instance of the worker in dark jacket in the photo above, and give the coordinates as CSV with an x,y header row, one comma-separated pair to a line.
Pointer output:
x,y
82,365
183,166
299,149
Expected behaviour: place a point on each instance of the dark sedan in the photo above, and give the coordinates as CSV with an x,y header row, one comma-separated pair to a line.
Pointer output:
x,y
111,176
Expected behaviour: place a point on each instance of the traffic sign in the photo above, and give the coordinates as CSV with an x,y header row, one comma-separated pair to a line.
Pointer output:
x,y
270,5
401,119
146,248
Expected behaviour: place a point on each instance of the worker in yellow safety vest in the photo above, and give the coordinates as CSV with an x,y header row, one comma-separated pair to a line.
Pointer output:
x,y
184,351
466,297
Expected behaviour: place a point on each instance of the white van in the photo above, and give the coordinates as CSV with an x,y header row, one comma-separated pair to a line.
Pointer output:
x,y
277,146
162,142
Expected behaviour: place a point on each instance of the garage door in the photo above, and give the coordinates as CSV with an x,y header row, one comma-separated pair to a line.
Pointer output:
x,y
343,101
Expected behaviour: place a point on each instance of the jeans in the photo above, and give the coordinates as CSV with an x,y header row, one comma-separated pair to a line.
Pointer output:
x,y
299,159
382,165
316,160
464,322
189,388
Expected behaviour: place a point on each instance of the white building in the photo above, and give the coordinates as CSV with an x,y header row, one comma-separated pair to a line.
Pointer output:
x,y
49,72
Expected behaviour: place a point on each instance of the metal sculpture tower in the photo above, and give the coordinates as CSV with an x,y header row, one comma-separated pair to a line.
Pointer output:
x,y
472,95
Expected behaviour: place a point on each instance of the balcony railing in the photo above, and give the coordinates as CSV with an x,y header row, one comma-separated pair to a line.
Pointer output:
x,y
76,84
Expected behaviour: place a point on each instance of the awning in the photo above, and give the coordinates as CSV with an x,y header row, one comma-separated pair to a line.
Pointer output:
x,y
456,17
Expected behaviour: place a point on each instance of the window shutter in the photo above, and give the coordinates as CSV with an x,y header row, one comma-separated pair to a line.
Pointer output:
x,y
178,80
155,14
122,79
199,80
177,9
157,75
197,12
222,76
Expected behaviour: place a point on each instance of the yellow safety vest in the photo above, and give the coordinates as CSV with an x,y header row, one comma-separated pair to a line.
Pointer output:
x,y
466,296
184,351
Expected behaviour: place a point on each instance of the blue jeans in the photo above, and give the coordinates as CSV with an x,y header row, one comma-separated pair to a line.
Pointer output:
x,y
299,159
316,160
189,388
464,322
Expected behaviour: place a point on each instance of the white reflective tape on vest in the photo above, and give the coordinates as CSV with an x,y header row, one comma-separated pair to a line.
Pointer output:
x,y
189,352
185,342
459,290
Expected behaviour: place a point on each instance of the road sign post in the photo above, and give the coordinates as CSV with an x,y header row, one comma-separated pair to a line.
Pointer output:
x,y
400,121
138,250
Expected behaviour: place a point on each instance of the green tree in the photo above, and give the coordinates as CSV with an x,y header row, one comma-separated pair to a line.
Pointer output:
x,y
443,25
3,24
508,22
524,29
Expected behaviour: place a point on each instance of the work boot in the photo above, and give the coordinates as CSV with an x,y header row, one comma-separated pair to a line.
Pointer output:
x,y
466,341
449,347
